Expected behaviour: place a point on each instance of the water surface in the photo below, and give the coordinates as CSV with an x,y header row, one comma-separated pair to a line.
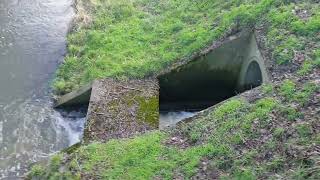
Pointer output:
x,y
171,118
32,44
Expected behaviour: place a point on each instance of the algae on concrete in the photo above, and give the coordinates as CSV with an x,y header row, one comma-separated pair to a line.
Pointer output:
x,y
122,108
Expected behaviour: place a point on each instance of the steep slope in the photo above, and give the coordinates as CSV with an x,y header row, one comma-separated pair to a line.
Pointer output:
x,y
136,39
271,132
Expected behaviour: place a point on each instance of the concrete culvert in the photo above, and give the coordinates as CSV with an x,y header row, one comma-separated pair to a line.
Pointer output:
x,y
222,72
253,77
232,68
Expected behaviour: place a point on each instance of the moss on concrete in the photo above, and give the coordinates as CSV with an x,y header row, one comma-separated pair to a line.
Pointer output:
x,y
148,110
122,108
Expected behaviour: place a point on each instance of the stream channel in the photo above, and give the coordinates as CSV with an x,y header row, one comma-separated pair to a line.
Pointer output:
x,y
32,45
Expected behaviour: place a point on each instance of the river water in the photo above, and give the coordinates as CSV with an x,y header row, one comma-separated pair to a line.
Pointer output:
x,y
32,44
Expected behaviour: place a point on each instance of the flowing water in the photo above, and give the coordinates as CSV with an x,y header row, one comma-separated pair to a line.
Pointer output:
x,y
170,119
32,44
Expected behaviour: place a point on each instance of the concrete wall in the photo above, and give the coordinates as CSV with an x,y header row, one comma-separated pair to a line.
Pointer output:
x,y
120,109
209,79
252,70
76,98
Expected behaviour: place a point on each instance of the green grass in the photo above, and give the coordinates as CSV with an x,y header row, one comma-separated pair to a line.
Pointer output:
x,y
292,93
304,130
278,132
267,138
316,56
223,137
37,171
139,38
290,113
304,95
306,68
144,157
288,89
267,88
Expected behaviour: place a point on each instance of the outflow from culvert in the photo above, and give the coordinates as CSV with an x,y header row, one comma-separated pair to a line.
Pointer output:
x,y
230,69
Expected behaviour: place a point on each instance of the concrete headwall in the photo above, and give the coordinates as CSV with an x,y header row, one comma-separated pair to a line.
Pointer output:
x,y
76,98
215,76
120,109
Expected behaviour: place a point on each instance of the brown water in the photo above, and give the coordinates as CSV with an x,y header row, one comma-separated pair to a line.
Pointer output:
x,y
32,44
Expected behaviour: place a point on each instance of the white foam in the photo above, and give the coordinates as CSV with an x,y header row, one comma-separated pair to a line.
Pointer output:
x,y
169,119
72,127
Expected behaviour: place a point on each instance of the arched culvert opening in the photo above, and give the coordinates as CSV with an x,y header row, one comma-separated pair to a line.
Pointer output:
x,y
232,68
253,77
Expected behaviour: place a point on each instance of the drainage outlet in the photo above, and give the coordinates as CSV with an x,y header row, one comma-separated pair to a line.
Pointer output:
x,y
230,69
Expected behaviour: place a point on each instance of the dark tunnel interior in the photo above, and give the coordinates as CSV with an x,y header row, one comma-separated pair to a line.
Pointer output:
x,y
210,79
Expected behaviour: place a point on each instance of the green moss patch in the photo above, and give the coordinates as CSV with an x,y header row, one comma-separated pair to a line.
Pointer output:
x,y
149,110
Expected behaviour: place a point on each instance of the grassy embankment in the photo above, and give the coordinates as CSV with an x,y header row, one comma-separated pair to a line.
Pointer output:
x,y
276,136
135,39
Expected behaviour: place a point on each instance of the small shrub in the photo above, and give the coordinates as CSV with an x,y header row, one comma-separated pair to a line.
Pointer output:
x,y
73,165
271,145
317,138
249,158
309,28
282,17
228,108
59,86
299,174
195,136
237,139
